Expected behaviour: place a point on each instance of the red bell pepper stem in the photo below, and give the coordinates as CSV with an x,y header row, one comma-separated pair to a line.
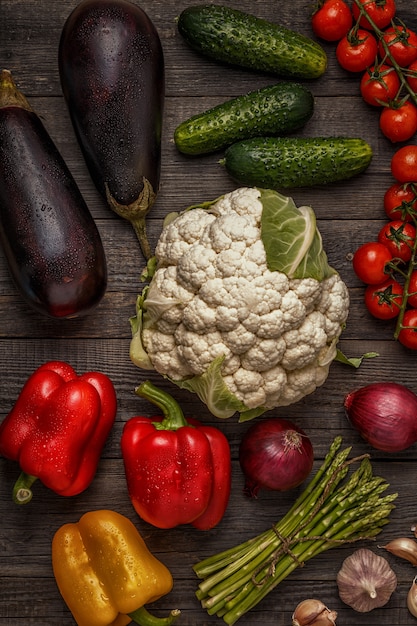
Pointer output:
x,y
174,417
142,617
22,493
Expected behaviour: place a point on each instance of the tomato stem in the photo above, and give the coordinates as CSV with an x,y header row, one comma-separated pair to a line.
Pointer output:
x,y
411,266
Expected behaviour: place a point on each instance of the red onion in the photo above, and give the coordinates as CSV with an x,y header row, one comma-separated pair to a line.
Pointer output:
x,y
384,414
274,454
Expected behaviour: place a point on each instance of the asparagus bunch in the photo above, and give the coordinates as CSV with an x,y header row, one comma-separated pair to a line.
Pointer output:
x,y
333,509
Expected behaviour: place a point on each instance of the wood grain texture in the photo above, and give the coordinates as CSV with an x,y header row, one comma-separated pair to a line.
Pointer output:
x,y
348,214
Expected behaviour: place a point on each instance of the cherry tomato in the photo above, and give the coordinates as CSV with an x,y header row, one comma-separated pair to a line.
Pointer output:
x,y
381,12
411,75
399,238
404,164
399,122
332,20
379,84
408,334
402,44
412,290
400,202
369,262
357,50
384,301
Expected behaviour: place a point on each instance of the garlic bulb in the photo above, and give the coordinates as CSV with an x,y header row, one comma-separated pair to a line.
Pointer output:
x,y
313,612
366,581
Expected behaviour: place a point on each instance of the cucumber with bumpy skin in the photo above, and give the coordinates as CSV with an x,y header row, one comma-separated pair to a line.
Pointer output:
x,y
238,38
285,162
273,110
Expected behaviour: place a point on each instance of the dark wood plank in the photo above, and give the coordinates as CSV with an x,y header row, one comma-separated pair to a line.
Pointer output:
x,y
348,214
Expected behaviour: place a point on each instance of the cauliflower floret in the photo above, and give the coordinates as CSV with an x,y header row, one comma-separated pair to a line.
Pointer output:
x,y
198,316
229,263
229,228
266,316
214,292
301,383
293,311
180,234
269,289
239,340
304,343
264,354
195,267
308,290
243,201
165,356
199,350
166,298
221,319
267,326
256,254
334,304
231,292
274,381
248,386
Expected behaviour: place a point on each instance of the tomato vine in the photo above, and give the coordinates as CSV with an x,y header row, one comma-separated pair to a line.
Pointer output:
x,y
388,265
400,71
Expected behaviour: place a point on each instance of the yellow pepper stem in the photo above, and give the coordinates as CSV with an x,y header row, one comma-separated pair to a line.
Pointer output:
x,y
142,617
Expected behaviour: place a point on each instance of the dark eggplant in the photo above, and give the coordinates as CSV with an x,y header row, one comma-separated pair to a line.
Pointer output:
x,y
111,67
50,240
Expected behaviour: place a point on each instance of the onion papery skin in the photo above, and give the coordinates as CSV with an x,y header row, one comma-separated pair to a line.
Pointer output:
x,y
276,455
384,414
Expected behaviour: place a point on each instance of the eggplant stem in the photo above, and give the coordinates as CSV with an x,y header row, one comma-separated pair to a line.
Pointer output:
x,y
10,94
135,213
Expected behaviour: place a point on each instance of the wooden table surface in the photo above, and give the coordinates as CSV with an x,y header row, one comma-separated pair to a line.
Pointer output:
x,y
348,215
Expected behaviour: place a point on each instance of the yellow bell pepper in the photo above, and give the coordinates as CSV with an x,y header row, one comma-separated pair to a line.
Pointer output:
x,y
105,572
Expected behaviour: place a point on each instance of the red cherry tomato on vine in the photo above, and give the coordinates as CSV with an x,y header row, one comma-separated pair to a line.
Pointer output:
x,y
408,335
369,262
399,122
381,12
384,301
412,290
400,202
411,75
402,44
399,238
332,20
404,164
357,50
380,83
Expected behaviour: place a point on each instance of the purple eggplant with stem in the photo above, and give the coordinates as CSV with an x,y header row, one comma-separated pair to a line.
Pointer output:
x,y
50,240
111,68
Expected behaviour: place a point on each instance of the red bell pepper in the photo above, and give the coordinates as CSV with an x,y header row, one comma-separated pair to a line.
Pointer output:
x,y
57,429
178,471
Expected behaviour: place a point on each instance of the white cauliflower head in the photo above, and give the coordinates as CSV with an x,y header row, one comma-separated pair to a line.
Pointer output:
x,y
243,308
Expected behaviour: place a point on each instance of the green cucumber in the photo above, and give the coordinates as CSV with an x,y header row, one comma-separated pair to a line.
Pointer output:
x,y
274,110
285,162
232,36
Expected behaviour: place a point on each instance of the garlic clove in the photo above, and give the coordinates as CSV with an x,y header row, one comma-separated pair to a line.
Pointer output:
x,y
365,581
312,612
404,548
412,598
